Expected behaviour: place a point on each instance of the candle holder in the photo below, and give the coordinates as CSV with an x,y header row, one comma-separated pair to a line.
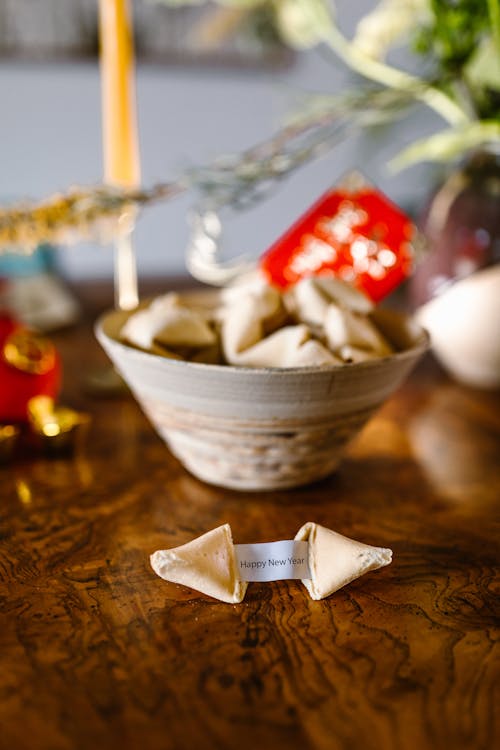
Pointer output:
x,y
105,381
125,267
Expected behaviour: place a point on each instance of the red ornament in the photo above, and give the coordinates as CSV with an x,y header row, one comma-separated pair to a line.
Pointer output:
x,y
29,366
353,232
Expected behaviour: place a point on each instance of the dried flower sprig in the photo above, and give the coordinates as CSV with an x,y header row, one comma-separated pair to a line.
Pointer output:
x,y
78,214
237,180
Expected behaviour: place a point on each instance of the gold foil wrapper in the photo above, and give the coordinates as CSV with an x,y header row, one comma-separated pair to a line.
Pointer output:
x,y
59,428
29,352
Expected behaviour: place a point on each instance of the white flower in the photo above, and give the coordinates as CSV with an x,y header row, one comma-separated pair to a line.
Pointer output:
x,y
388,23
303,23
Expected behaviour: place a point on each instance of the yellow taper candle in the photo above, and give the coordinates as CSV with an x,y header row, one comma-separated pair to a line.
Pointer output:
x,y
119,125
119,118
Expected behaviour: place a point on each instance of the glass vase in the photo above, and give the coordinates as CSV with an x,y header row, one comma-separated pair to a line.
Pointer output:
x,y
456,289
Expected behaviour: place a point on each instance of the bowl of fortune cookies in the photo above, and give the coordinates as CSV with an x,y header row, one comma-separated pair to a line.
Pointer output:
x,y
255,388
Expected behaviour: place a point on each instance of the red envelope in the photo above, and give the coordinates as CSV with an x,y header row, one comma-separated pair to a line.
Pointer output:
x,y
353,232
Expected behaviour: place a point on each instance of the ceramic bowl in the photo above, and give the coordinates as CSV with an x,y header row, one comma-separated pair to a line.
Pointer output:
x,y
262,429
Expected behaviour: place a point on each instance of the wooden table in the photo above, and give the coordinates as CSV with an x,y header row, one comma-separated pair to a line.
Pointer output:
x,y
97,652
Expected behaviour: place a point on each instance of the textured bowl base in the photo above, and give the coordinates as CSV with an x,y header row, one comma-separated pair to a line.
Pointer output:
x,y
266,457
262,477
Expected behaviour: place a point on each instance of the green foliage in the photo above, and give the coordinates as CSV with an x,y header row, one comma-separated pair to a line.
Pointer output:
x,y
454,32
460,41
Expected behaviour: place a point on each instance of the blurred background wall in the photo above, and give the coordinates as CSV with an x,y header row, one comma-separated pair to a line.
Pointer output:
x,y
193,105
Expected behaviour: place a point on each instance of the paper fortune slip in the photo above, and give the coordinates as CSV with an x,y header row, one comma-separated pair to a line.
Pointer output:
x,y
320,558
272,561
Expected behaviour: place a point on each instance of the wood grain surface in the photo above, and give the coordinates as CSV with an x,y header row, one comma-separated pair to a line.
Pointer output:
x,y
97,652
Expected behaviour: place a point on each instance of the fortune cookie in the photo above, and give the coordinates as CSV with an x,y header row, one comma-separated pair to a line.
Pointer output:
x,y
336,560
350,353
310,298
258,309
344,294
291,346
346,328
306,302
312,354
245,319
208,563
167,323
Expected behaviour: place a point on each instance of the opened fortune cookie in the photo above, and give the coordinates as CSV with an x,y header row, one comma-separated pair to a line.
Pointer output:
x,y
215,566
335,560
206,564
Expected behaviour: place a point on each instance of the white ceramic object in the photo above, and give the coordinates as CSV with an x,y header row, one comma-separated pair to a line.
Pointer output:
x,y
464,323
258,429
